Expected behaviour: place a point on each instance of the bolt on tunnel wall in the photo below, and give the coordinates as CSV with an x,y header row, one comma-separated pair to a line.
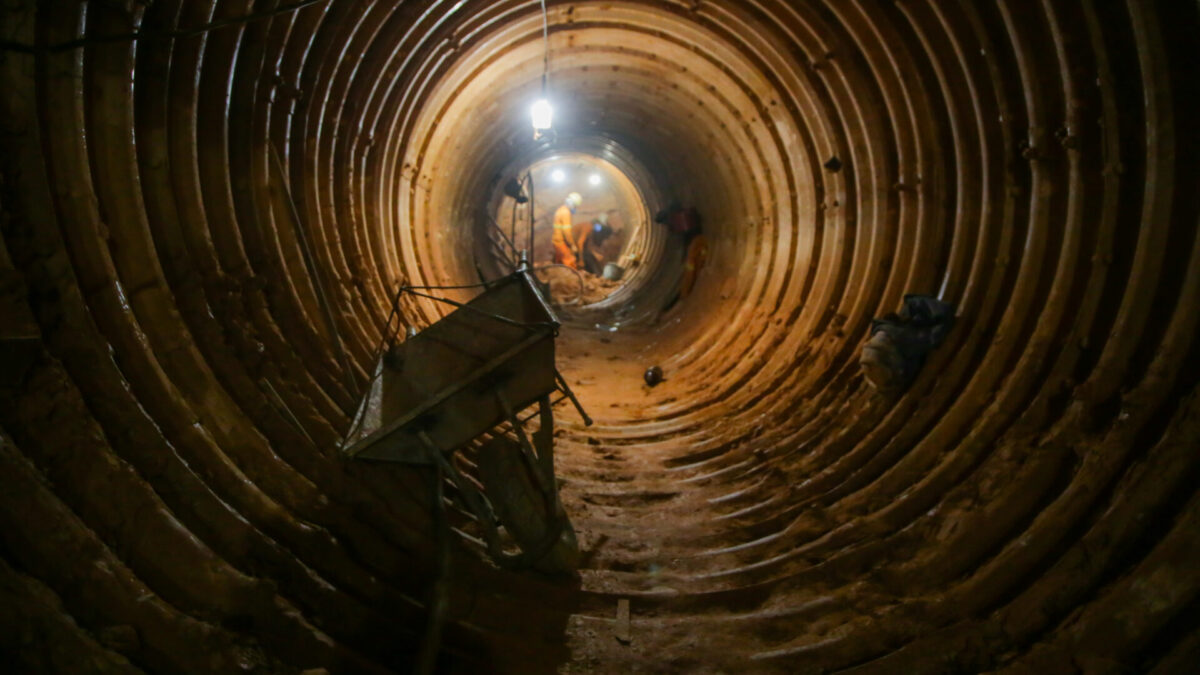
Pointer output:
x,y
187,186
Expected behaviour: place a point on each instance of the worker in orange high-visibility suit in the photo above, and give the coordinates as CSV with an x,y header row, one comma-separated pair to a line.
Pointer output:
x,y
565,248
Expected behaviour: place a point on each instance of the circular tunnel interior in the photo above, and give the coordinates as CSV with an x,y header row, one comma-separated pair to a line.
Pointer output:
x,y
207,208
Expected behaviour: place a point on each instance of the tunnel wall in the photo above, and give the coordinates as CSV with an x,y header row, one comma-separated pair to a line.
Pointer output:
x,y
173,394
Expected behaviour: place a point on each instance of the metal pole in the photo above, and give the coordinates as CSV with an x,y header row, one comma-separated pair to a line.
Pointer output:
x,y
439,601
532,208
283,409
311,264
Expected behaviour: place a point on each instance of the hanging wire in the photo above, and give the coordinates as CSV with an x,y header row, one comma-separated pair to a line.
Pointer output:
x,y
87,41
545,48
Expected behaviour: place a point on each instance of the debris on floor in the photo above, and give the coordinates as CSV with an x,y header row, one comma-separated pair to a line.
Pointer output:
x,y
653,376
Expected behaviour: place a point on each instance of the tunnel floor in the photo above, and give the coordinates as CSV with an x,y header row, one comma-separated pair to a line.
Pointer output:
x,y
658,521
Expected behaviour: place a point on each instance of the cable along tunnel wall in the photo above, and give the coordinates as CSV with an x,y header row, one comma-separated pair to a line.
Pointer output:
x,y
1028,503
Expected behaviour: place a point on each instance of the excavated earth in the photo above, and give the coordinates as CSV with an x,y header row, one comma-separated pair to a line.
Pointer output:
x,y
173,391
569,289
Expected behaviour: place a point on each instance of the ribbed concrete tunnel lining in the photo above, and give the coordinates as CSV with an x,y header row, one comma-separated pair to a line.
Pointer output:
x,y
1028,504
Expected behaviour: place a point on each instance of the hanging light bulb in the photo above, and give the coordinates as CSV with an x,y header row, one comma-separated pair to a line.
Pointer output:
x,y
542,114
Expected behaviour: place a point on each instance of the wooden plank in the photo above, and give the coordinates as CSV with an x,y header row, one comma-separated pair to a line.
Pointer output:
x,y
621,629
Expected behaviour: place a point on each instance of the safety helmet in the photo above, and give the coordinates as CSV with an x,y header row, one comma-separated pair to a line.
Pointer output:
x,y
575,199
602,217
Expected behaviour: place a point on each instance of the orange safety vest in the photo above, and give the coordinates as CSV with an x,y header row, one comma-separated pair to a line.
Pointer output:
x,y
564,240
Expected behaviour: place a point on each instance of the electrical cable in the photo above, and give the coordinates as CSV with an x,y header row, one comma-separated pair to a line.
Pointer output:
x,y
310,263
545,49
7,45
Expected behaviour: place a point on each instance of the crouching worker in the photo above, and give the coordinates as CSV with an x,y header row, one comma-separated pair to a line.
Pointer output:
x,y
697,255
591,242
900,342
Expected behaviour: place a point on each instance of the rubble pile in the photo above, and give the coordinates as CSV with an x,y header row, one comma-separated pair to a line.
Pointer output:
x,y
565,286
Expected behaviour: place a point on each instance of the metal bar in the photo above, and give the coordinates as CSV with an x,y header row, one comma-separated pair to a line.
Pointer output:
x,y
476,503
500,231
376,358
542,468
497,317
444,394
535,413
532,199
484,284
311,263
440,601
284,410
543,440
546,308
498,250
526,447
507,240
360,414
566,389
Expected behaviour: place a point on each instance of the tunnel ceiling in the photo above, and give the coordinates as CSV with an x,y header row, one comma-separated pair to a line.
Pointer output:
x,y
172,395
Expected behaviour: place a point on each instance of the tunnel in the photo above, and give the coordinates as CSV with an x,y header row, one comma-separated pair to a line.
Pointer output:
x,y
207,207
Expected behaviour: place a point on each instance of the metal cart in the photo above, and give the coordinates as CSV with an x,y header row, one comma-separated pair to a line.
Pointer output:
x,y
475,374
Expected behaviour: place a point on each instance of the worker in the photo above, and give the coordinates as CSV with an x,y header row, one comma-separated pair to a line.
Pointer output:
x,y
590,243
565,248
679,220
900,342
697,255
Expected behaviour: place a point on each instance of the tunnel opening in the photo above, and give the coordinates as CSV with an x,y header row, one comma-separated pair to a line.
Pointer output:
x,y
609,227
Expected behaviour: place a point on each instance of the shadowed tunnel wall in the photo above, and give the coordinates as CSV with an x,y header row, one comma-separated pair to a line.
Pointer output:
x,y
171,396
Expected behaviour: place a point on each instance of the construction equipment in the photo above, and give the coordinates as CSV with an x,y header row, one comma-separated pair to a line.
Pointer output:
x,y
473,375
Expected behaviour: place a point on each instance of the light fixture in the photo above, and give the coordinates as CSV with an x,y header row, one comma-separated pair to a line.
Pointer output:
x,y
594,179
543,115
558,176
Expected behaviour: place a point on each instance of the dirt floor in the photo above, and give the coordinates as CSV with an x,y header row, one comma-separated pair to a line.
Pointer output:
x,y
639,526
